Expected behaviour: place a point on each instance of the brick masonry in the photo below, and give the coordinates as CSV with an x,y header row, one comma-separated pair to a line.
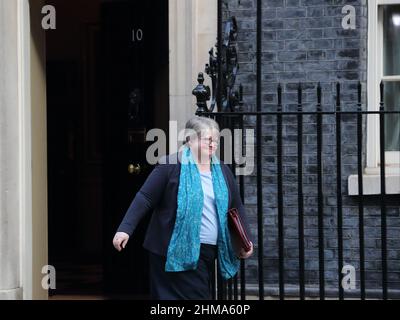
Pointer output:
x,y
303,41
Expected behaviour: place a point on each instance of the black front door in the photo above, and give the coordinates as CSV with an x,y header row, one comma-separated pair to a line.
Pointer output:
x,y
134,53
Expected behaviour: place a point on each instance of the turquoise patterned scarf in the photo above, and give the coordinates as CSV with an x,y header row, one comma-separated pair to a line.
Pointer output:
x,y
184,247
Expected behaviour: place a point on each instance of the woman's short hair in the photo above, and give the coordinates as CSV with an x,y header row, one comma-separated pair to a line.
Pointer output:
x,y
198,125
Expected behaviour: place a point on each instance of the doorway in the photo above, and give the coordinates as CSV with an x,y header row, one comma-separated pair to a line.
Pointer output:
x,y
107,85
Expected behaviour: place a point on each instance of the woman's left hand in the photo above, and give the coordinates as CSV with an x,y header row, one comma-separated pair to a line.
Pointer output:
x,y
245,254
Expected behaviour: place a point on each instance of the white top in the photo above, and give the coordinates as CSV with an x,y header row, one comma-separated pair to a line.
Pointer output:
x,y
209,220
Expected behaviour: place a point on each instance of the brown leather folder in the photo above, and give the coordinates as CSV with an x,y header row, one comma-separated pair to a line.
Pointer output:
x,y
237,231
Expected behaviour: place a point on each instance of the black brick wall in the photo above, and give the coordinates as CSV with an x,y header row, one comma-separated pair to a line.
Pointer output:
x,y
303,40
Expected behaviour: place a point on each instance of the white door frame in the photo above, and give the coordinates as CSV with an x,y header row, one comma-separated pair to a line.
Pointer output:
x,y
192,32
33,148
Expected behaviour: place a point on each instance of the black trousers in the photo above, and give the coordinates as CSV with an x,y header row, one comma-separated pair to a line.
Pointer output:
x,y
183,285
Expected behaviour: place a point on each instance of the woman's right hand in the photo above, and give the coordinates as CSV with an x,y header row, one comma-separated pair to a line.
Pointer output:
x,y
120,240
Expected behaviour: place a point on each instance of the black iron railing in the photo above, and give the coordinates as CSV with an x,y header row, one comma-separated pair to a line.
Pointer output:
x,y
234,120
222,69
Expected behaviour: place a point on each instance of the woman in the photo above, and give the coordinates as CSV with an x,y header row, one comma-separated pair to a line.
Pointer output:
x,y
190,193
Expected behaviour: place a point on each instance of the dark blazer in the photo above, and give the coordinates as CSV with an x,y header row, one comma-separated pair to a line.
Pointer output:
x,y
159,194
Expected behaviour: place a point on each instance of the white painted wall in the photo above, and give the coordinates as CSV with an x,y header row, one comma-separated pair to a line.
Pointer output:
x,y
10,154
192,32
